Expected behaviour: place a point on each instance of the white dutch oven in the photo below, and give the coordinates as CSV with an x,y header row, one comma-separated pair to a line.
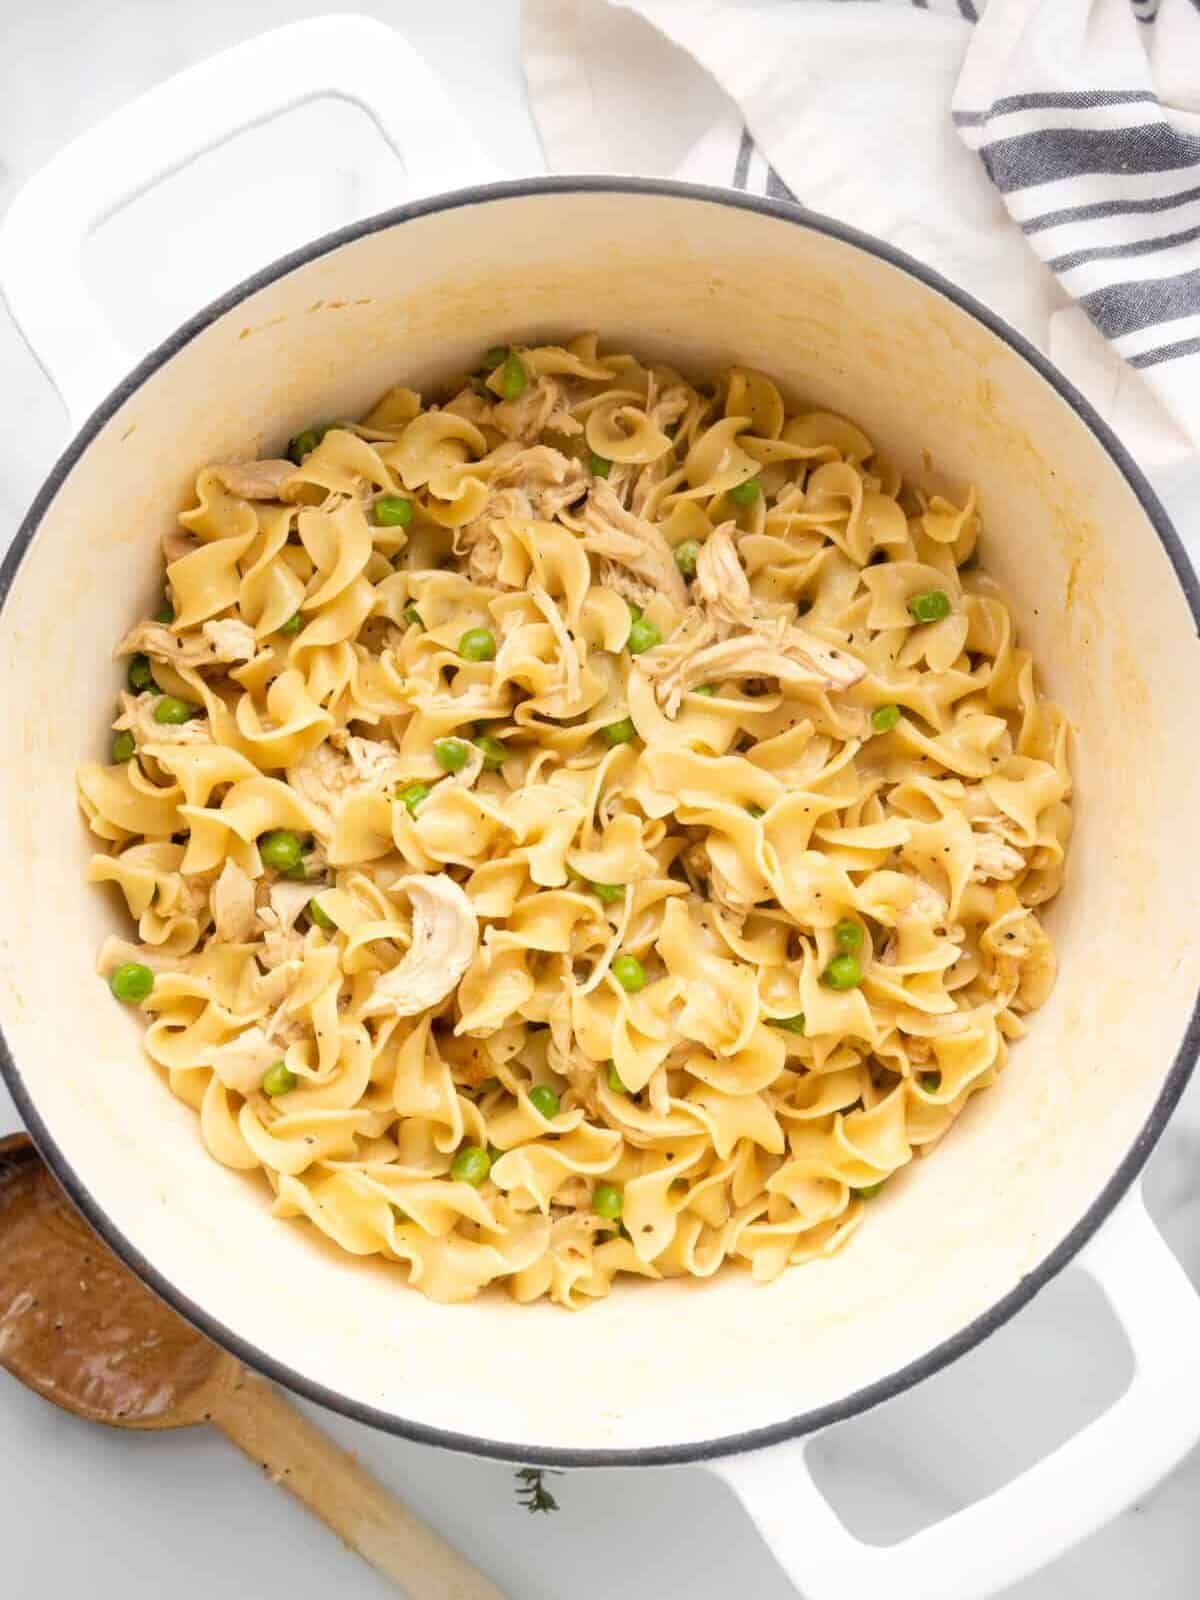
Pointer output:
x,y
723,1373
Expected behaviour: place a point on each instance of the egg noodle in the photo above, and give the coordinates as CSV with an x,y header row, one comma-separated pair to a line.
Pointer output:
x,y
593,825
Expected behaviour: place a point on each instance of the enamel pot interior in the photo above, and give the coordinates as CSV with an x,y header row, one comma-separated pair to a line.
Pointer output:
x,y
656,1371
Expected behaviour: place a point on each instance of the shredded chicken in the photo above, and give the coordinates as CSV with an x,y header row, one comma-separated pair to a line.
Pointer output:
x,y
536,483
669,406
543,404
223,640
721,582
929,903
567,652
253,480
232,902
996,859
445,936
287,900
280,944
728,634
544,479
628,541
344,765
241,1063
230,640
137,717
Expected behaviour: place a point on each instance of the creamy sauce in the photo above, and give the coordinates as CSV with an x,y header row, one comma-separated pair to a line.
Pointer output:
x,y
76,1325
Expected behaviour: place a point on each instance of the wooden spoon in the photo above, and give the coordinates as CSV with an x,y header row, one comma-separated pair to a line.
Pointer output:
x,y
79,1329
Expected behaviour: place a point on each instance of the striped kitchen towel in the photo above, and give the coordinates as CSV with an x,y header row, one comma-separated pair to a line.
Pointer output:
x,y
1043,153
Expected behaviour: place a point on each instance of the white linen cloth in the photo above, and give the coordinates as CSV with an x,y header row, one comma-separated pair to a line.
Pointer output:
x,y
1044,154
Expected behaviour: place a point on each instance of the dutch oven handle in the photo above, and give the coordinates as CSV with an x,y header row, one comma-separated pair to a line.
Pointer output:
x,y
351,58
1041,1513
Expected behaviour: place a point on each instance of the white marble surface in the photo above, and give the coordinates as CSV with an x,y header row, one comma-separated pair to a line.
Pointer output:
x,y
182,1509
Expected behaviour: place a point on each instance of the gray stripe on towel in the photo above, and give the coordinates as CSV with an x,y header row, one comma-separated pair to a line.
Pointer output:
x,y
1122,308
1054,153
1166,352
741,170
1059,100
1135,247
1109,208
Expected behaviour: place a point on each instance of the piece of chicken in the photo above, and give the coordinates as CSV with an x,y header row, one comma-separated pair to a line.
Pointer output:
x,y
137,717
445,936
630,542
231,900
728,634
253,480
544,479
225,640
242,1061
544,404
995,859
342,765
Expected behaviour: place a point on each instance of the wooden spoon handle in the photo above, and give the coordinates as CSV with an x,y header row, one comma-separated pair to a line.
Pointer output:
x,y
363,1514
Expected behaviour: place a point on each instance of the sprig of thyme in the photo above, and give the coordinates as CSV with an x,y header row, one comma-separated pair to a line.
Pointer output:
x,y
532,1492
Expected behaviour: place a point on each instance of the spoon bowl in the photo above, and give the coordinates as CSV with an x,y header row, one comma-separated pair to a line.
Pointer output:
x,y
77,1327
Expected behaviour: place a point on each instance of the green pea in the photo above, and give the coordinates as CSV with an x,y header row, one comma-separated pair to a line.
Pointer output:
x,y
298,873
744,493
451,754
319,918
172,711
279,1079
931,606
614,1080
544,1100
885,718
490,1085
492,358
412,616
307,441
513,379
931,1082
413,795
280,849
495,753
165,615
870,1191
794,1024
471,1165
843,972
629,973
706,689
292,626
131,982
608,892
635,612
848,934
643,635
123,746
477,644
394,511
756,811
608,1201
601,466
139,676
685,557
619,732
